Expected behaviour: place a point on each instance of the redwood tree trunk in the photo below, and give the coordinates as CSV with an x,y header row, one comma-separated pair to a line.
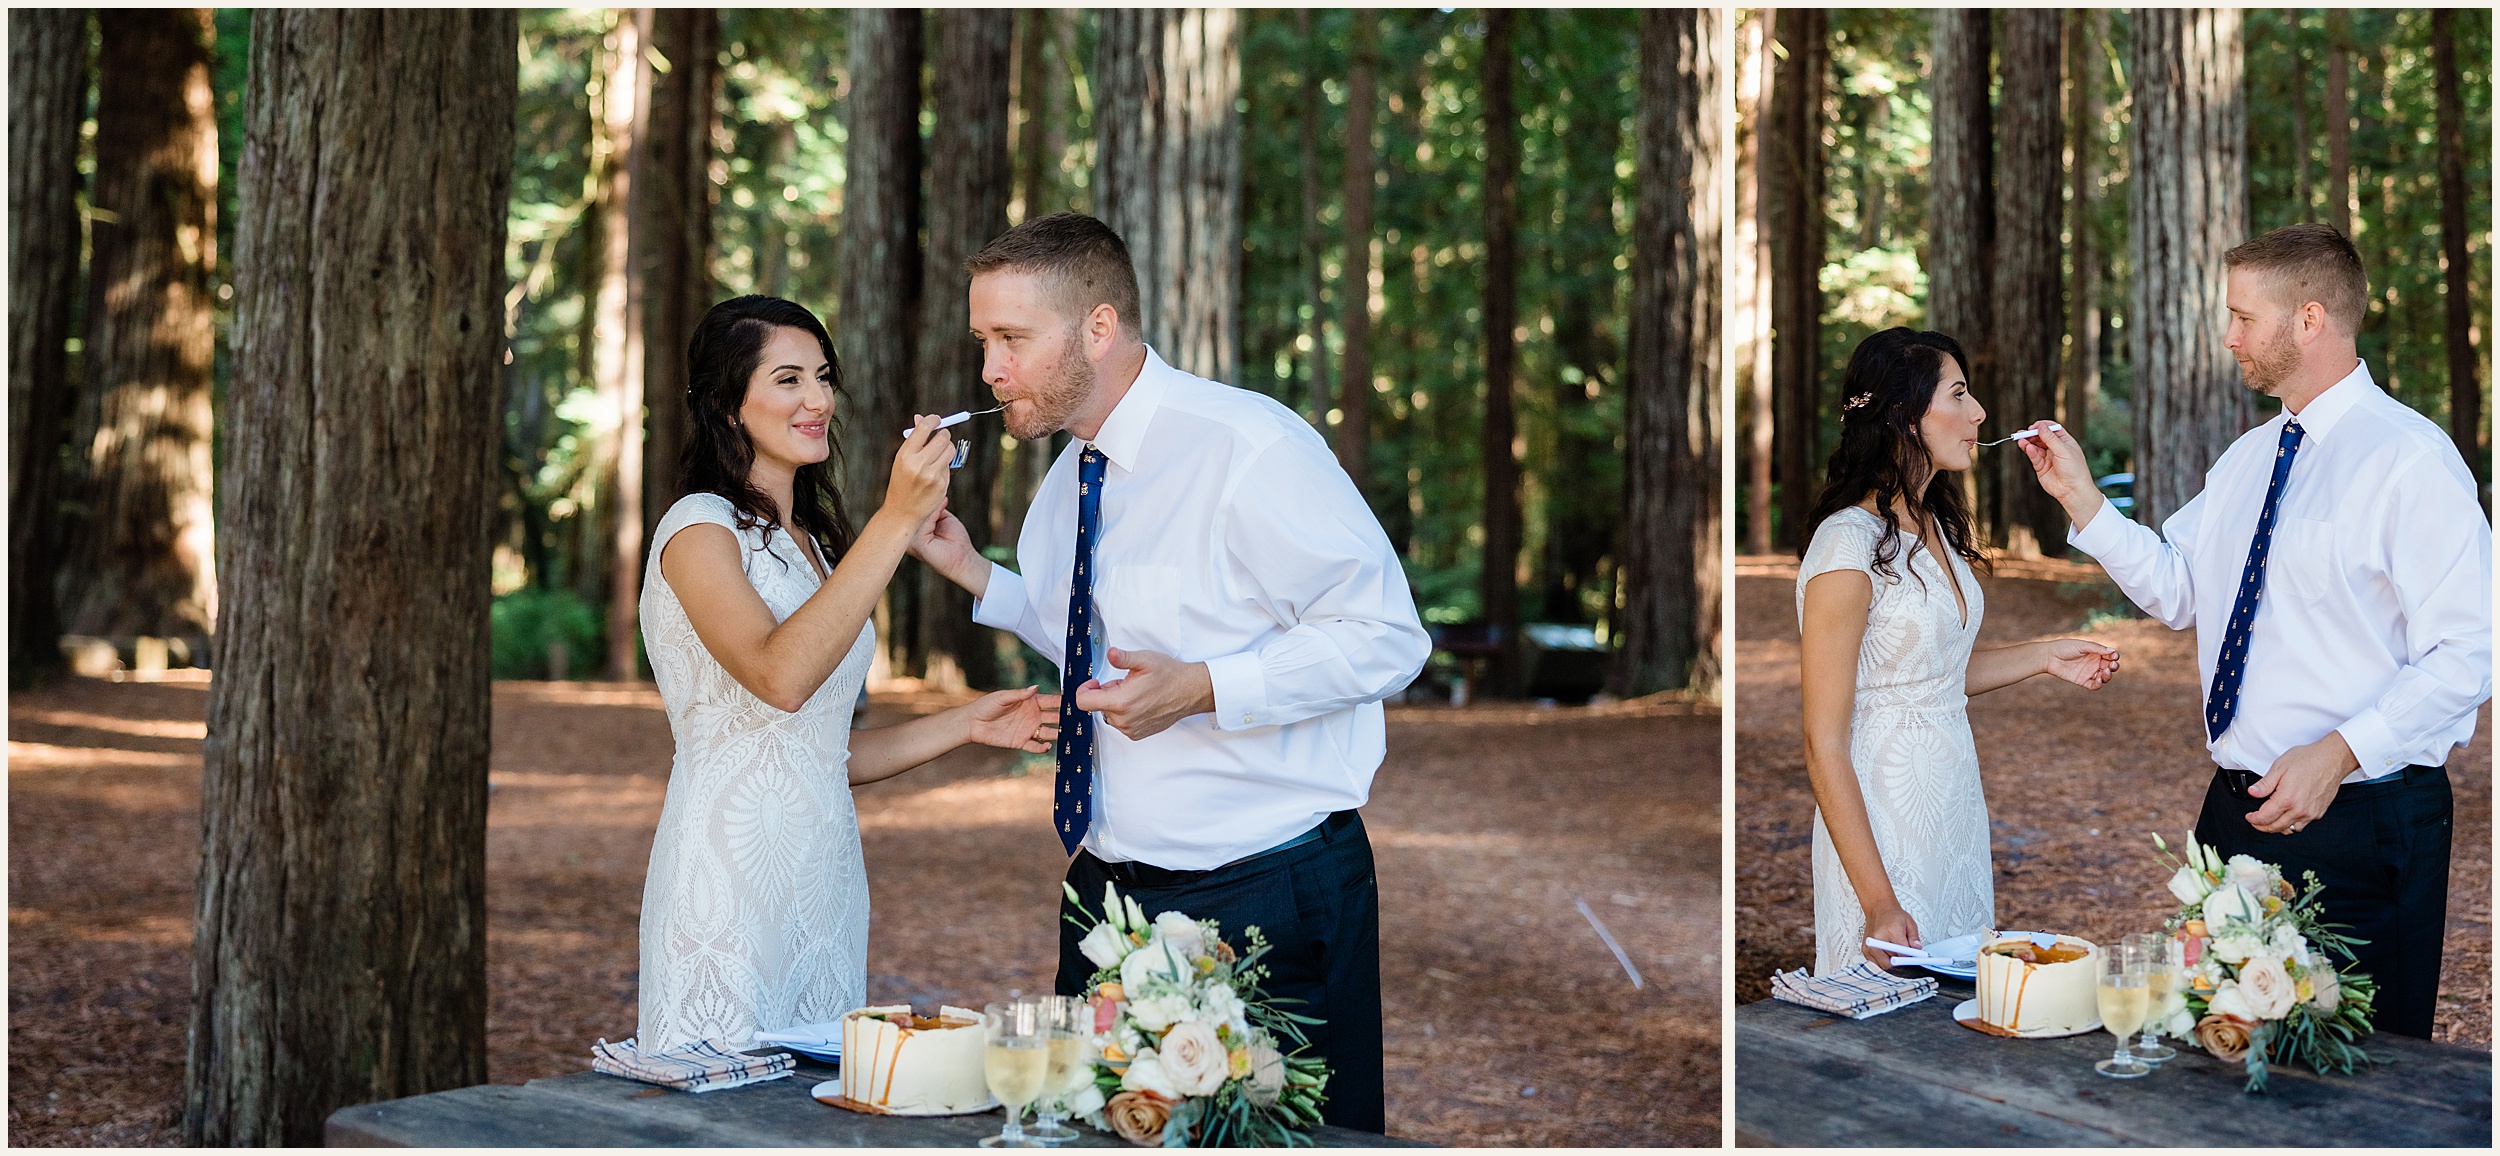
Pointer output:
x,y
1754,197
880,273
339,954
616,352
1354,384
1498,581
144,562
677,206
1582,522
2083,305
1167,173
2187,203
2465,388
1793,174
2028,307
2339,120
968,186
1671,468
1961,205
47,99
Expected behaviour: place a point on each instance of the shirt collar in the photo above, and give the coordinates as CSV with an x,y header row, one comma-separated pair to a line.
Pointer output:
x,y
2318,418
1123,434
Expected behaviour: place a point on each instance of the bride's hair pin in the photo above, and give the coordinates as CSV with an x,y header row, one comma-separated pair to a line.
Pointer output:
x,y
1859,402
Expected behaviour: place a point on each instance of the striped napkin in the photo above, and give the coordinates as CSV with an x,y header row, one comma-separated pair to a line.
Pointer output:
x,y
705,1066
1858,991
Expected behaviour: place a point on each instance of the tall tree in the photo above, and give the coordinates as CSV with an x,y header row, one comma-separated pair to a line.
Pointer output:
x,y
1354,293
1031,99
967,207
339,954
1167,172
2465,388
2027,312
1499,577
2300,122
47,100
2187,203
1314,238
1754,216
2083,303
616,350
1582,522
1671,536
2339,199
143,562
677,206
880,249
1961,203
1793,170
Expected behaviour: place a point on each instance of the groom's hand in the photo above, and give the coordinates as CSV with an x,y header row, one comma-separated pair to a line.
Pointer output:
x,y
2058,462
1158,691
2302,784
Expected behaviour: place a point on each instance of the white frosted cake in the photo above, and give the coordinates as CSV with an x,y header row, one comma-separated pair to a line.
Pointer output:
x,y
895,1061
2027,989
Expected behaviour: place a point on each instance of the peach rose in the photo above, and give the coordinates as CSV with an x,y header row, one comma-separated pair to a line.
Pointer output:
x,y
2226,1038
1194,1059
2268,987
1138,1117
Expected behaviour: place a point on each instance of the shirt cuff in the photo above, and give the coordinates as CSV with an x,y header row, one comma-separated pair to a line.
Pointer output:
x,y
2373,743
1001,606
2101,534
1240,691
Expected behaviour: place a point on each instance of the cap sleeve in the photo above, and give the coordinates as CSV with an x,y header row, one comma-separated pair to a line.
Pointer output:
x,y
1845,541
695,509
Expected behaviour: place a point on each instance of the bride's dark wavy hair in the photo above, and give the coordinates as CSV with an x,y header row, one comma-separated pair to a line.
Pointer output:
x,y
1890,383
728,344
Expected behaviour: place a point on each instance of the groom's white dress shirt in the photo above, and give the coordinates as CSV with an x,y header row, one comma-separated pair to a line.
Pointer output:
x,y
1229,536
2375,616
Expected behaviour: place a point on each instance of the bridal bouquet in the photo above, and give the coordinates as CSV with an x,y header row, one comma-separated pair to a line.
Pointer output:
x,y
1189,1047
2261,981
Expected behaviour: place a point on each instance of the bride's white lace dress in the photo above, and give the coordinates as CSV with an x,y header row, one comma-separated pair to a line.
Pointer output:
x,y
1910,743
755,914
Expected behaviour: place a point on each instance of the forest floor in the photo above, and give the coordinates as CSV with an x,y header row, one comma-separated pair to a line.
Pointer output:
x,y
2075,780
1508,1021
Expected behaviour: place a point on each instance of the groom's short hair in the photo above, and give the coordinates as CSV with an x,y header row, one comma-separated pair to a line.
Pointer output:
x,y
2311,262
1077,259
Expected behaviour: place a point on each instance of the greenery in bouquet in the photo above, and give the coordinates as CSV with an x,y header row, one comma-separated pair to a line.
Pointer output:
x,y
2261,984
1188,1049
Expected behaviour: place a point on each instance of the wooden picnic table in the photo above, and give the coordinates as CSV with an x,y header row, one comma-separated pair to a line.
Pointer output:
x,y
1913,1076
588,1109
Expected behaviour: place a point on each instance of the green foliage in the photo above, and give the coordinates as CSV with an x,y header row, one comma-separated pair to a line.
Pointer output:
x,y
528,622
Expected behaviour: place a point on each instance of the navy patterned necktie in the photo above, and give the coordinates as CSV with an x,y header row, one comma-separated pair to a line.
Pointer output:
x,y
1076,727
2232,665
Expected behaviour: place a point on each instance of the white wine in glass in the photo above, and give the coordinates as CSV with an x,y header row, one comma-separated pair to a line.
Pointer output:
x,y
1014,1058
2125,998
2163,961
1066,1024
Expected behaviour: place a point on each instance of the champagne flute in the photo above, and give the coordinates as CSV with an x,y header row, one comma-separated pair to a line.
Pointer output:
x,y
2125,1001
1066,1022
2164,959
1014,1057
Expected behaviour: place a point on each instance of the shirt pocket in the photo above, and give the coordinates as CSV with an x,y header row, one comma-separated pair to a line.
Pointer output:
x,y
1140,607
2303,563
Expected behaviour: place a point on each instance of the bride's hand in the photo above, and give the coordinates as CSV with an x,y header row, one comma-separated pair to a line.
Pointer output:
x,y
1894,926
2089,665
922,470
1019,720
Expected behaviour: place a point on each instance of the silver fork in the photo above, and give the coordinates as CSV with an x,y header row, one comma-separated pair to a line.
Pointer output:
x,y
2019,435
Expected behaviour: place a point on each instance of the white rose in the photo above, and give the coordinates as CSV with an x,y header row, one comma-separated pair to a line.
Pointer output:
x,y
1086,1100
2247,874
2179,1024
2228,903
1146,1074
1153,961
1159,1012
2236,948
1194,1059
2326,990
1181,932
1104,945
2227,1001
2267,987
2189,886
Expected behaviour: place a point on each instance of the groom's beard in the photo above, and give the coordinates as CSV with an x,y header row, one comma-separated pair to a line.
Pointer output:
x,y
1066,387
2271,362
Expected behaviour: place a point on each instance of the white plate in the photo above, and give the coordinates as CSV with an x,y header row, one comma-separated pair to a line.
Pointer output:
x,y
830,1092
1960,946
1966,1013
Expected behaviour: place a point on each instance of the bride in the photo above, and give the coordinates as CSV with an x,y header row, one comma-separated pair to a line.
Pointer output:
x,y
1887,609
755,611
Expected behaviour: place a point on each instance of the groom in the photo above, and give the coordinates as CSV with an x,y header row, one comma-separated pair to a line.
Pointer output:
x,y
1228,614
2337,568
